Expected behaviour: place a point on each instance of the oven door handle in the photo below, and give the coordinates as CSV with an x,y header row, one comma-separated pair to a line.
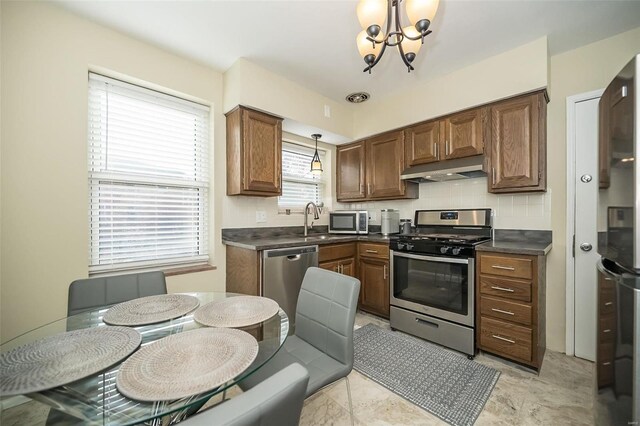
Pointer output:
x,y
430,258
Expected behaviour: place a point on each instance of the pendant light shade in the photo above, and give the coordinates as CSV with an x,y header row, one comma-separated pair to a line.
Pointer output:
x,y
417,10
316,164
372,13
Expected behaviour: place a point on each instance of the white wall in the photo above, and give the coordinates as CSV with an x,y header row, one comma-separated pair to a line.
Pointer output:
x,y
516,71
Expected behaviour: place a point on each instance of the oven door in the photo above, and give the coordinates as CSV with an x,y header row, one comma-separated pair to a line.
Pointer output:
x,y
438,286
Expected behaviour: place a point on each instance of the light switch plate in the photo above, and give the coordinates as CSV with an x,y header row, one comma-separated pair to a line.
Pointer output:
x,y
261,216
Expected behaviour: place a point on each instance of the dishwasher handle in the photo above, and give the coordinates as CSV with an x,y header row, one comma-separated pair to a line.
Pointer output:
x,y
290,253
293,257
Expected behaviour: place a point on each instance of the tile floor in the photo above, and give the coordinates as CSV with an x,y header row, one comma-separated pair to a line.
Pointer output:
x,y
560,395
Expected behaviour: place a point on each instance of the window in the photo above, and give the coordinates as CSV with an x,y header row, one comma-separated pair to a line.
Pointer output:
x,y
148,177
299,186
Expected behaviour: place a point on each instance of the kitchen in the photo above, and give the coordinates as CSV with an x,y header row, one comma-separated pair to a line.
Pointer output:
x,y
57,144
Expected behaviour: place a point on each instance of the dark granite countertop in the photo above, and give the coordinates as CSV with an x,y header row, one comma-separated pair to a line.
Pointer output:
x,y
274,238
535,243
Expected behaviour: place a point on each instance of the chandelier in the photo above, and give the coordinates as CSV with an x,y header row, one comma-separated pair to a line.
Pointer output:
x,y
373,14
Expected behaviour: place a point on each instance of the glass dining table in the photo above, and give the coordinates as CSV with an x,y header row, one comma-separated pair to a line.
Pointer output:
x,y
96,400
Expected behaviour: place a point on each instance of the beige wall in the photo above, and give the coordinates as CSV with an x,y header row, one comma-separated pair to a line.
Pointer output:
x,y
578,71
248,84
516,71
46,54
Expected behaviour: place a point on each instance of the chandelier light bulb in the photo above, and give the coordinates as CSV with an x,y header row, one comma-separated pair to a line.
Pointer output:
x,y
372,15
420,11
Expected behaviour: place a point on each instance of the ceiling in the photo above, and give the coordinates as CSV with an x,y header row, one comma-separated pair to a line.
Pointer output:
x,y
313,42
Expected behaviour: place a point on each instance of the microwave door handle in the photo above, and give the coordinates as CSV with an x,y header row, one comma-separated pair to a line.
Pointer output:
x,y
430,258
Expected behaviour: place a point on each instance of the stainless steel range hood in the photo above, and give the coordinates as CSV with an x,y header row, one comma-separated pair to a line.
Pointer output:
x,y
460,168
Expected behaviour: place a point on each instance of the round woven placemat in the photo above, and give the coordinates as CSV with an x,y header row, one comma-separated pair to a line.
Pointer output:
x,y
64,358
186,364
150,309
239,311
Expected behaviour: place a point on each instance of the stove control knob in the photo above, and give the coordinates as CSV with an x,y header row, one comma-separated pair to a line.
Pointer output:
x,y
409,246
400,246
444,250
456,251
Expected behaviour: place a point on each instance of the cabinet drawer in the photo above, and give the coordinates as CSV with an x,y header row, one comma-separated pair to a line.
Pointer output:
x,y
607,301
508,289
507,266
506,339
379,251
606,329
336,251
605,374
503,309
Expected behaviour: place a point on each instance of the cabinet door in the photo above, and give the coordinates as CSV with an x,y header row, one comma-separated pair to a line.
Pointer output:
x,y
348,267
464,134
262,152
330,266
350,170
422,143
374,278
385,162
515,145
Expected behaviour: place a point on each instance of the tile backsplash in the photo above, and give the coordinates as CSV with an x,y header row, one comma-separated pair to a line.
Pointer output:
x,y
510,211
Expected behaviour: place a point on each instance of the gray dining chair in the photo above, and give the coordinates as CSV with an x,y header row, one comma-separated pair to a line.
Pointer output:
x,y
323,338
91,293
277,401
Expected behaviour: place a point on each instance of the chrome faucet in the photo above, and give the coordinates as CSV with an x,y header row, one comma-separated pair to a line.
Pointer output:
x,y
316,216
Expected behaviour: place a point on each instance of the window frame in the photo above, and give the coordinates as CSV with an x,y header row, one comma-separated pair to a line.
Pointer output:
x,y
99,174
321,182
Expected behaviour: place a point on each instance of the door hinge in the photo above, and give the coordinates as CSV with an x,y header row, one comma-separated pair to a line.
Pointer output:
x,y
573,246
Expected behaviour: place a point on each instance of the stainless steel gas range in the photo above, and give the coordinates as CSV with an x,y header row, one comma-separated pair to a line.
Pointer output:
x,y
432,276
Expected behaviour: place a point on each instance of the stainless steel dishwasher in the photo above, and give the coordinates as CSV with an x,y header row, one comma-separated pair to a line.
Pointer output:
x,y
282,274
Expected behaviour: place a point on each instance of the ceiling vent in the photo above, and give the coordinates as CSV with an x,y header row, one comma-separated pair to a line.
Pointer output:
x,y
358,97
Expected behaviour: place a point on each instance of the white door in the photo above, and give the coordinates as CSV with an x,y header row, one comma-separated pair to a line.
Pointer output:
x,y
586,236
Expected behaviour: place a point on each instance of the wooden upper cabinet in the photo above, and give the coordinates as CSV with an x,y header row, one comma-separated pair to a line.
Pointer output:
x,y
518,145
254,153
350,171
464,134
422,143
385,163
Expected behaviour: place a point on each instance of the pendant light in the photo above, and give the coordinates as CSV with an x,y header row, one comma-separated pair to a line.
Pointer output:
x,y
316,165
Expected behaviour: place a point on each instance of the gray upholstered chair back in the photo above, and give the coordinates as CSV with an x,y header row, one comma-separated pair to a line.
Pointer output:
x,y
326,312
87,294
277,401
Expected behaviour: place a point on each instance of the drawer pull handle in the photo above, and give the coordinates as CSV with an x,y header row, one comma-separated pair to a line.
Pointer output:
x,y
502,312
510,290
606,331
502,338
372,251
606,363
608,304
506,268
425,322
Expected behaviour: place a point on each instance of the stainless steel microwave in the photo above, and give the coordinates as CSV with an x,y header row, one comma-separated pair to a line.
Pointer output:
x,y
349,222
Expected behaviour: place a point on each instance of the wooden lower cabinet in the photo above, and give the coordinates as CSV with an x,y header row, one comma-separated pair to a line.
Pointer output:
x,y
607,329
374,279
510,314
373,271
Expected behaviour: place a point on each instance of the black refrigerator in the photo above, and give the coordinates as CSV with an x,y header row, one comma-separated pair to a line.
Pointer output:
x,y
617,377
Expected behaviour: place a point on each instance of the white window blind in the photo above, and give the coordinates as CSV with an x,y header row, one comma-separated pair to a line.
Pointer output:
x,y
299,186
148,177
